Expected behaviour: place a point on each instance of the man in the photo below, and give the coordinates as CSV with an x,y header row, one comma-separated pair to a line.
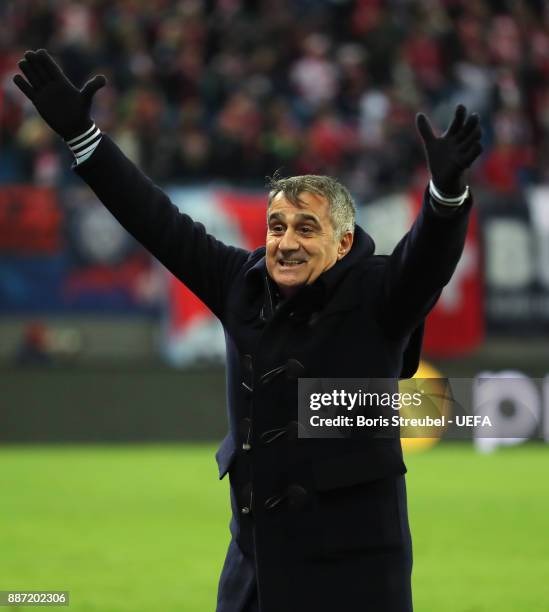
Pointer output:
x,y
317,524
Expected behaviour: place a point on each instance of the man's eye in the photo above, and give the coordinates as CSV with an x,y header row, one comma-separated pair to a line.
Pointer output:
x,y
277,228
306,230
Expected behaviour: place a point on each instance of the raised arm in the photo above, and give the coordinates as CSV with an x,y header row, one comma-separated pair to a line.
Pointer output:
x,y
424,260
204,264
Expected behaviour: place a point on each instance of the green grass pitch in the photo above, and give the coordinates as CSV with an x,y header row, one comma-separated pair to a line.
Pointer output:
x,y
145,528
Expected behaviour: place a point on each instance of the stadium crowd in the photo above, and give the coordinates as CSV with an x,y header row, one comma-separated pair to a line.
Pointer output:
x,y
231,90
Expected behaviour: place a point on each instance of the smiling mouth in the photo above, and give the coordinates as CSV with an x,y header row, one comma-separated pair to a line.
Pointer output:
x,y
291,263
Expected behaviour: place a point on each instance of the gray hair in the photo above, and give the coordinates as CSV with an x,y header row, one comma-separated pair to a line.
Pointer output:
x,y
342,208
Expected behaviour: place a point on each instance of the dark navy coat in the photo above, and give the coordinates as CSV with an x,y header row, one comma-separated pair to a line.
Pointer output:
x,y
317,525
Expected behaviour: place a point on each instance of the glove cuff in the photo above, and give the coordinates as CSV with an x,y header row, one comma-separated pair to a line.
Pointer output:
x,y
73,134
446,200
84,145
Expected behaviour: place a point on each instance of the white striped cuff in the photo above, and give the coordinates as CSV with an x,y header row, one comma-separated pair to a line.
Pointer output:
x,y
445,200
84,145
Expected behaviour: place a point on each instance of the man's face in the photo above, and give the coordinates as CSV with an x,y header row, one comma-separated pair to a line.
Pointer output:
x,y
301,243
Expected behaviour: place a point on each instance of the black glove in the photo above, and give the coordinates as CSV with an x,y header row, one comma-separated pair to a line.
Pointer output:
x,y
65,108
449,155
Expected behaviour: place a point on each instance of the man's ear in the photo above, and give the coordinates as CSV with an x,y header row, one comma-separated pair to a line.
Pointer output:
x,y
345,244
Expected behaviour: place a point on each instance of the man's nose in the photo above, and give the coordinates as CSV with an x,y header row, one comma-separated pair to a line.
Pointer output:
x,y
289,241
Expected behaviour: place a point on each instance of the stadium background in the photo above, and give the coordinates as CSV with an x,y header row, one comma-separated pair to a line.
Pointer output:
x,y
111,375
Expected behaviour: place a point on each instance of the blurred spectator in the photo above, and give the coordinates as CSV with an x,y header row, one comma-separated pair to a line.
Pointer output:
x,y
42,346
509,162
232,90
34,349
314,74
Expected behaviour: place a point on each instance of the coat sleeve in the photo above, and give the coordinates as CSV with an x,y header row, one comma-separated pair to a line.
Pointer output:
x,y
421,265
205,265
